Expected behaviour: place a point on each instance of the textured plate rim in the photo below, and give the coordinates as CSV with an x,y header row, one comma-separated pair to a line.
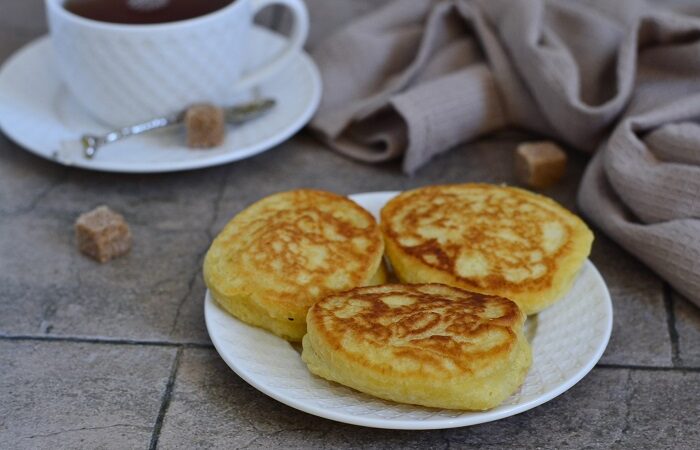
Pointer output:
x,y
210,307
41,43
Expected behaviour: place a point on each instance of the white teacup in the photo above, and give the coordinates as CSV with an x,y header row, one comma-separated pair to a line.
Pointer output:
x,y
124,74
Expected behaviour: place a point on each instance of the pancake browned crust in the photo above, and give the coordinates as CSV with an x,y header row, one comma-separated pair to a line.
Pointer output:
x,y
486,238
281,254
431,344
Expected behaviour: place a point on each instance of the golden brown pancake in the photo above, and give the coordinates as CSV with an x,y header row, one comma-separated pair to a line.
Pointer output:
x,y
431,344
280,255
486,238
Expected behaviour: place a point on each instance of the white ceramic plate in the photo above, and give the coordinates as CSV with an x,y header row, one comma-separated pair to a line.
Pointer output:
x,y
567,340
38,113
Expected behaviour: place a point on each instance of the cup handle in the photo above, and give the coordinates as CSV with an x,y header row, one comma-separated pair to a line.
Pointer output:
x,y
300,31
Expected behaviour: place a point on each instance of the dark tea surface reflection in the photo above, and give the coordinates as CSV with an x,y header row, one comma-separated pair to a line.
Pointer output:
x,y
143,11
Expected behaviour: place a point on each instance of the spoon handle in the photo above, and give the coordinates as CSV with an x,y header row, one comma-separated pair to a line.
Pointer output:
x,y
233,115
92,143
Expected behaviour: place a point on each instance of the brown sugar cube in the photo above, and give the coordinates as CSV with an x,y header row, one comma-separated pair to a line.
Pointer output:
x,y
205,126
102,234
539,164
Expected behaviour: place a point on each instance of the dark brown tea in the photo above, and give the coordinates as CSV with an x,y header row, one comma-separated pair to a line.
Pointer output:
x,y
143,11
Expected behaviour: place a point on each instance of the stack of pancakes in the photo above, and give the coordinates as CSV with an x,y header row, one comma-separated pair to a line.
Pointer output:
x,y
473,260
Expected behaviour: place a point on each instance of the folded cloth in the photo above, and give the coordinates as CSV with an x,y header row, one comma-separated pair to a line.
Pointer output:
x,y
417,77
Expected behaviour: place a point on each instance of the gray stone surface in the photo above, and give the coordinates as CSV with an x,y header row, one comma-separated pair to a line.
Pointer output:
x,y
25,180
662,410
70,395
20,21
618,408
304,162
67,383
640,327
48,288
687,327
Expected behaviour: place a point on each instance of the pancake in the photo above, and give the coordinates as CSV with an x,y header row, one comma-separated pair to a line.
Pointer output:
x,y
486,238
431,345
280,255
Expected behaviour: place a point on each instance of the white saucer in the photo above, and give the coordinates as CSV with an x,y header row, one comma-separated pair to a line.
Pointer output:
x,y
567,340
38,113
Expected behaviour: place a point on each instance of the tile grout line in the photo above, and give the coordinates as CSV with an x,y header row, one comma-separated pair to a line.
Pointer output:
x,y
200,257
165,401
187,345
647,368
190,286
217,208
671,324
88,340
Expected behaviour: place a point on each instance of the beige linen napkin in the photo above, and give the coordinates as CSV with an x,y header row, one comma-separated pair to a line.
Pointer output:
x,y
417,77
